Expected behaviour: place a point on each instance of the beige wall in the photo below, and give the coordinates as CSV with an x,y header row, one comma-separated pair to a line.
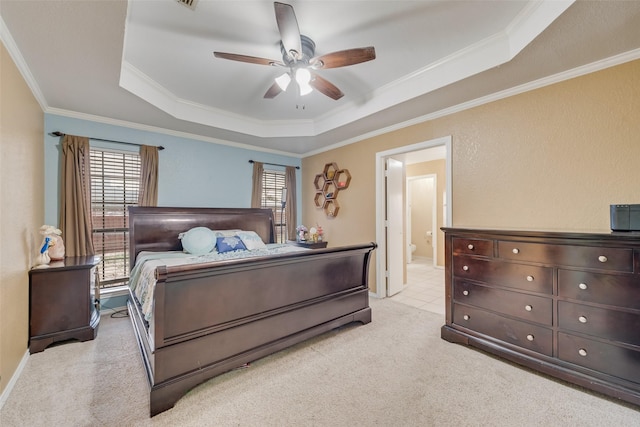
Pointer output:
x,y
549,159
21,183
438,168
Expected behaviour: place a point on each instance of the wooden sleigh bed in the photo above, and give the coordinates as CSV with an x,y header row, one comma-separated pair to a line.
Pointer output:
x,y
211,318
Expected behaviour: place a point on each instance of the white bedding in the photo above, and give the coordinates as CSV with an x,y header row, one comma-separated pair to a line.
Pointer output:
x,y
142,279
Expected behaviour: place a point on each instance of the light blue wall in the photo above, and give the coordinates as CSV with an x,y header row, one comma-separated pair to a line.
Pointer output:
x,y
192,173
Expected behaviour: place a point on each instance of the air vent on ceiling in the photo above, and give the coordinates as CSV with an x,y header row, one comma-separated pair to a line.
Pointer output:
x,y
191,4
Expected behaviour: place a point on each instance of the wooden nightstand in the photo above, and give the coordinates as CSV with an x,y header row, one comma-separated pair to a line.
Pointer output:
x,y
310,245
62,302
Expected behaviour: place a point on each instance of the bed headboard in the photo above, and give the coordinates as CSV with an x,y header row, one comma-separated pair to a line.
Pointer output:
x,y
157,228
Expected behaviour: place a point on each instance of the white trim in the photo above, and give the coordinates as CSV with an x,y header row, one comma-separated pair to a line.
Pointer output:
x,y
178,134
15,54
14,379
21,64
381,252
526,87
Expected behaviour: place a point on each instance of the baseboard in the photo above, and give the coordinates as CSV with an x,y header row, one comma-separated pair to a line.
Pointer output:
x,y
14,379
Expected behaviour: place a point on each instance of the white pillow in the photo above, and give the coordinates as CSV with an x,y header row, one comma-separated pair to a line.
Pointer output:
x,y
225,233
198,240
251,240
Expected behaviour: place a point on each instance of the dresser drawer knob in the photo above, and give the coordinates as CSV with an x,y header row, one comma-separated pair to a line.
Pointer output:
x,y
583,286
466,317
528,307
470,246
582,319
465,292
529,278
530,337
515,250
465,267
602,258
582,352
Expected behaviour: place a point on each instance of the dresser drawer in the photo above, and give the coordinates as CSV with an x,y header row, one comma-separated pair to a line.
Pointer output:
x,y
610,359
520,276
523,334
616,325
602,258
478,247
524,306
622,291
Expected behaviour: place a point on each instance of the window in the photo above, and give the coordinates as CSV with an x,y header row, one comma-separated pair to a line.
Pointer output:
x,y
115,183
272,184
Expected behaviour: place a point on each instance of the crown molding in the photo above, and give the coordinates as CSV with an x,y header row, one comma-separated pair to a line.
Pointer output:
x,y
164,131
21,64
536,84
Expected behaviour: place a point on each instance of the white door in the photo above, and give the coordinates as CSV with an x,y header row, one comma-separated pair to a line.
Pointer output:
x,y
395,235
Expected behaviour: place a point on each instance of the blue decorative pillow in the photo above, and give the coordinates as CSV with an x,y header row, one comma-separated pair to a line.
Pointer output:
x,y
251,240
228,244
198,241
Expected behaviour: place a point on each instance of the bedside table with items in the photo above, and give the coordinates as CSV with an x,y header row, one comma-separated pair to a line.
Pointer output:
x,y
63,302
308,244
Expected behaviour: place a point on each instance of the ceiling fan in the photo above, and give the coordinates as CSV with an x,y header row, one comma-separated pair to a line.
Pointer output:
x,y
298,54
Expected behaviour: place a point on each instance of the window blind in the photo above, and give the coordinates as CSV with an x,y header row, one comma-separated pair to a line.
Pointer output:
x,y
272,184
115,184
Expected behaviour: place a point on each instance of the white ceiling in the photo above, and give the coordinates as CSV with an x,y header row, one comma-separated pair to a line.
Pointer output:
x,y
150,63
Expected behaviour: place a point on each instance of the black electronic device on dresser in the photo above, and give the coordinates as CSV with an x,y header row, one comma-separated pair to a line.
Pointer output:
x,y
565,304
63,302
625,217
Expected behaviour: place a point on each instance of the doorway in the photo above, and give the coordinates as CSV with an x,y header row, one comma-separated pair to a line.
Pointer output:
x,y
389,261
421,221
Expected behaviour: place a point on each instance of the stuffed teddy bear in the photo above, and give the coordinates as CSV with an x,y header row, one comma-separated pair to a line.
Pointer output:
x,y
55,246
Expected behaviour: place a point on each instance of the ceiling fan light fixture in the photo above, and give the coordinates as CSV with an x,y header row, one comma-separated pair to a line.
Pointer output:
x,y
303,76
305,89
283,81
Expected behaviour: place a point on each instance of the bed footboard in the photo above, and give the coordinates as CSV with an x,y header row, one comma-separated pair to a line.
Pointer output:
x,y
211,320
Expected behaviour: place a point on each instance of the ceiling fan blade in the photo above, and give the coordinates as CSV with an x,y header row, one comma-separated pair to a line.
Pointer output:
x,y
273,91
344,57
289,30
325,87
249,59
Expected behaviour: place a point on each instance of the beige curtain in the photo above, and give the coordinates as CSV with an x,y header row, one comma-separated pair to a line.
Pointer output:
x,y
148,195
75,196
256,192
290,208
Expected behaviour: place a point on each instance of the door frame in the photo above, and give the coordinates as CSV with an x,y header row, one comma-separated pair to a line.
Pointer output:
x,y
381,201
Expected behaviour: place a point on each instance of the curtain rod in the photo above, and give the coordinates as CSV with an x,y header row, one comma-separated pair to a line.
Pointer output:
x,y
275,164
105,140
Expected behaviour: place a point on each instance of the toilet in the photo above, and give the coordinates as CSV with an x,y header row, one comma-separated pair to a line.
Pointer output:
x,y
412,249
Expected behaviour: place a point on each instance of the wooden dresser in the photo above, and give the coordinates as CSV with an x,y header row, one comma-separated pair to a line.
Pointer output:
x,y
565,304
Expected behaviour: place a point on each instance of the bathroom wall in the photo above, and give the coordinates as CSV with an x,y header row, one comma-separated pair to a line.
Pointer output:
x,y
437,168
420,192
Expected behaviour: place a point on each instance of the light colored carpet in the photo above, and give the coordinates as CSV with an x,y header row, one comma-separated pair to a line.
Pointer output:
x,y
395,371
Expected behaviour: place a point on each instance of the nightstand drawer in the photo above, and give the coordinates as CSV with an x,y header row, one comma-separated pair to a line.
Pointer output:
x,y
621,362
622,326
608,289
523,334
513,275
602,258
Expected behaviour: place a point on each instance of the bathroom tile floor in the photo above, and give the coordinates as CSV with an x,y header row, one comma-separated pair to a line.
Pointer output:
x,y
424,288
